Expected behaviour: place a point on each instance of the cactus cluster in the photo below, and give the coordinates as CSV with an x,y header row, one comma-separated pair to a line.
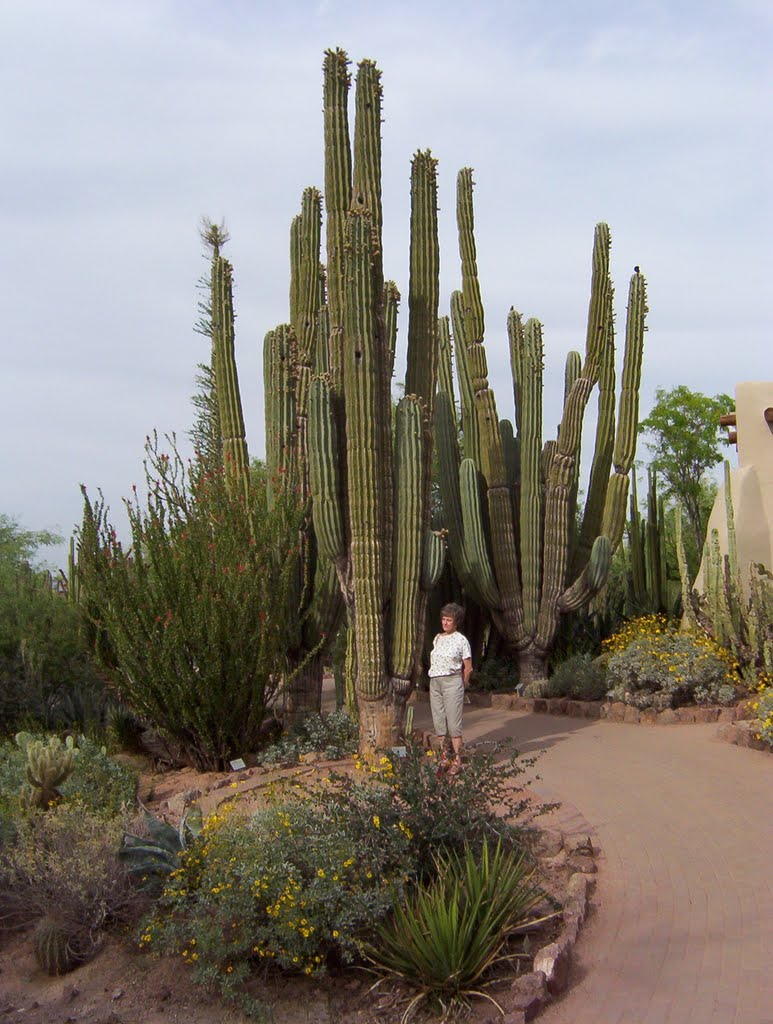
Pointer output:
x,y
48,766
510,502
737,613
650,589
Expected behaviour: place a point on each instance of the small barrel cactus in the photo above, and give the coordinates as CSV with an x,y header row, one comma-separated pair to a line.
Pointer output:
x,y
55,949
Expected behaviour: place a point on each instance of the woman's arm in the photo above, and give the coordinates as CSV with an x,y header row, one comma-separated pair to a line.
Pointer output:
x,y
466,670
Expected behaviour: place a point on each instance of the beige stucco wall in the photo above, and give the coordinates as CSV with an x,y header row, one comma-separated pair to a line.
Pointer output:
x,y
751,483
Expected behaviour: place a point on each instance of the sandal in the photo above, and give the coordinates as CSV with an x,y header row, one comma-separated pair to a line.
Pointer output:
x,y
454,768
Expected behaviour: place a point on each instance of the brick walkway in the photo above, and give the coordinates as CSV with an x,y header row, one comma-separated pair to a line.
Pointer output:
x,y
683,927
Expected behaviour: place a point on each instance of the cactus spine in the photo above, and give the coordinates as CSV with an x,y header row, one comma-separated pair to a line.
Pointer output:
x,y
530,524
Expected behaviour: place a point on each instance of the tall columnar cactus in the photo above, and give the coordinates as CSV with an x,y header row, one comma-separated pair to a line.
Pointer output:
x,y
370,491
650,589
521,553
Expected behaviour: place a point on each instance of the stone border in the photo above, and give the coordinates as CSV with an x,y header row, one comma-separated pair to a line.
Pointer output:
x,y
549,976
612,711
743,734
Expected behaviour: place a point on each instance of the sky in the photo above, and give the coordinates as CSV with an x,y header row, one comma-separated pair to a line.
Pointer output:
x,y
124,123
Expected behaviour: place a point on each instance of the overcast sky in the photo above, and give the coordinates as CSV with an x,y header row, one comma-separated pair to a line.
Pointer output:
x,y
126,121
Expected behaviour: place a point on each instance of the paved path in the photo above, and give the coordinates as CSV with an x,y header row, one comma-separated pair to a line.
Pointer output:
x,y
682,931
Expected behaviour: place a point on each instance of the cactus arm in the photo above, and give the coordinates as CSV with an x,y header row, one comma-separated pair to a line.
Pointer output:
x,y
433,559
408,546
324,473
476,553
688,600
637,580
530,359
445,368
391,306
226,377
591,579
338,194
361,384
628,415
470,429
604,444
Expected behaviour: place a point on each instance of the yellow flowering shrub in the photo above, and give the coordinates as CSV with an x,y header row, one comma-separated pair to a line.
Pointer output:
x,y
762,706
654,664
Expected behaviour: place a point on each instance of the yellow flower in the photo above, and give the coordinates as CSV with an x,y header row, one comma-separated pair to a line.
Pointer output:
x,y
320,873
335,935
377,821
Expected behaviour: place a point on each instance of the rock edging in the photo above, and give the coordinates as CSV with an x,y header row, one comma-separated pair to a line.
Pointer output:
x,y
549,976
743,734
612,711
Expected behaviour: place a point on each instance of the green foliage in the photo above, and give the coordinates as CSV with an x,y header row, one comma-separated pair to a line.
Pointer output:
x,y
580,677
46,678
98,782
62,865
685,439
335,734
655,665
448,933
302,883
197,611
495,675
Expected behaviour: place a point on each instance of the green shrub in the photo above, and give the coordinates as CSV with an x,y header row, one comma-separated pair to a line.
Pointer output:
x,y
303,884
335,734
652,664
47,680
495,674
100,783
196,614
447,934
580,677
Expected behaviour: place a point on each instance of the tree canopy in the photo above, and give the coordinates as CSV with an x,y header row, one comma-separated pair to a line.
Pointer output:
x,y
685,440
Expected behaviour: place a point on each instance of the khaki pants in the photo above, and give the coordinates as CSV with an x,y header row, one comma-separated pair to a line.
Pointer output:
x,y
446,699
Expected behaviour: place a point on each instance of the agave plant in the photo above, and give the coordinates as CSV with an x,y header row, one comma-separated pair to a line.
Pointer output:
x,y
154,857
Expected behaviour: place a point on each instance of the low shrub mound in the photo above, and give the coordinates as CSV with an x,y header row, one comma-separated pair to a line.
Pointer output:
x,y
654,664
336,735
580,677
303,884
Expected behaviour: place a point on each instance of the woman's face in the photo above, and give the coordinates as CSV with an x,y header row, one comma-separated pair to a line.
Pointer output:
x,y
448,623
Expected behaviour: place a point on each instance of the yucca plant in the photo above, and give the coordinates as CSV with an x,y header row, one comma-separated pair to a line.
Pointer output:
x,y
447,935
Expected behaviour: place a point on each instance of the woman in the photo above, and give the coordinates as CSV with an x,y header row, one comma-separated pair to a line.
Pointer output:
x,y
449,672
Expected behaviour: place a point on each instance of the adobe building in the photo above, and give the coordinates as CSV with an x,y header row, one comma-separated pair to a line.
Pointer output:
x,y
751,429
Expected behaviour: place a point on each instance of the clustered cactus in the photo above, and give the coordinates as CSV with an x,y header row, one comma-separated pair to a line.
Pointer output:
x,y
333,437
48,766
510,502
737,613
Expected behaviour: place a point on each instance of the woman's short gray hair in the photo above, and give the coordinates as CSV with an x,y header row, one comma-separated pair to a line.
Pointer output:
x,y
453,611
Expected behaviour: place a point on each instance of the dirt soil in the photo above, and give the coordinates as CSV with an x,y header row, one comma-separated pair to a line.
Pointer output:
x,y
122,985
